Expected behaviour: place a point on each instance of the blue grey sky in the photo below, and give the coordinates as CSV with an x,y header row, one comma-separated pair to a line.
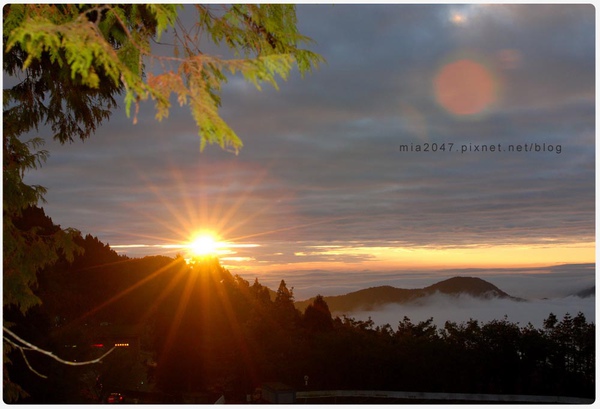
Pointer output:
x,y
322,183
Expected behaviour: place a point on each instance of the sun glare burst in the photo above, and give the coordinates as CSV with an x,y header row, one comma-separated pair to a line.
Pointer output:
x,y
205,244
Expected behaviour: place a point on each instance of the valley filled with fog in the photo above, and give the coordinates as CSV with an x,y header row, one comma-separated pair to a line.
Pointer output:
x,y
544,290
460,309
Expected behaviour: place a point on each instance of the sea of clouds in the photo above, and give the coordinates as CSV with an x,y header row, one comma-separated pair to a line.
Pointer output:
x,y
444,308
545,290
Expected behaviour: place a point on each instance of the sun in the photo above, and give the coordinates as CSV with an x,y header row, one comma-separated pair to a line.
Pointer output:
x,y
205,244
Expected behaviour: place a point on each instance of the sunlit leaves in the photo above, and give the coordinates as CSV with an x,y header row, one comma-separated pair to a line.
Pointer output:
x,y
76,57
114,41
76,44
72,59
165,14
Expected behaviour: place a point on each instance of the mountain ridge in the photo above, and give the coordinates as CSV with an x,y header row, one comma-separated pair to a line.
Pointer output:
x,y
373,297
586,292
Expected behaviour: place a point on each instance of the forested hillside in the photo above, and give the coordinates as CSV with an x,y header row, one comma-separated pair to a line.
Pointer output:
x,y
197,329
374,297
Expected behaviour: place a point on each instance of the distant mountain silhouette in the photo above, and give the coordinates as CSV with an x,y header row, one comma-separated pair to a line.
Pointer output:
x,y
374,297
588,292
467,285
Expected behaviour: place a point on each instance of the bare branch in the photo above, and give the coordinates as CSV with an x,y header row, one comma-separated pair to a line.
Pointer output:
x,y
28,346
29,365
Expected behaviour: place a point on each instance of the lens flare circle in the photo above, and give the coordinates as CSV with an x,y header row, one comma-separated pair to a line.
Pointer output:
x,y
465,87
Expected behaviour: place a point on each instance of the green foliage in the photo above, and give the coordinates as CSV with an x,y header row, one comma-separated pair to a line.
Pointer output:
x,y
26,249
113,42
47,94
30,244
76,57
71,60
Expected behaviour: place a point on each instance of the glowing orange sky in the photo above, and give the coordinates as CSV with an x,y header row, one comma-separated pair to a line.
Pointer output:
x,y
389,258
320,182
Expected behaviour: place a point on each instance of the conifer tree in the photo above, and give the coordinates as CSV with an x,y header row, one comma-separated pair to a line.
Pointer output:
x,y
67,63
285,310
317,316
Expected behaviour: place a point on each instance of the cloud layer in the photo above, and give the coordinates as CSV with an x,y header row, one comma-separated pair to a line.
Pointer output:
x,y
444,308
321,161
527,283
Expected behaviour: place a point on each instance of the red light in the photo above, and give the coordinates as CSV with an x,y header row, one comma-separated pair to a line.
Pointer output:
x,y
97,345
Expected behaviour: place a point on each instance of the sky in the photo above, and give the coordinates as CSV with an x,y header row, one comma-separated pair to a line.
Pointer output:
x,y
434,137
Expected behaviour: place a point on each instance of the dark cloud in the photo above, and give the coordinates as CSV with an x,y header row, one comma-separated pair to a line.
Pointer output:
x,y
321,160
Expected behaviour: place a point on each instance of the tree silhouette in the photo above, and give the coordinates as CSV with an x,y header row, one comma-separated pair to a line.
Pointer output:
x,y
210,333
70,61
317,317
